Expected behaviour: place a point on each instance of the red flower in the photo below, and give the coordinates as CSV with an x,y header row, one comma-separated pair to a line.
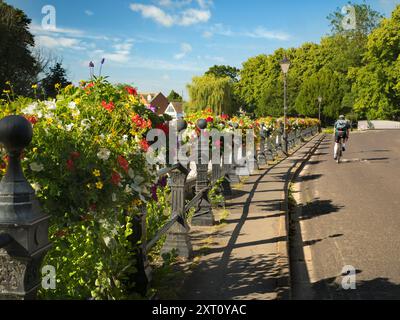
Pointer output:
x,y
144,145
32,119
123,163
115,178
210,119
70,165
131,91
164,127
75,155
225,117
88,87
108,106
141,123
6,158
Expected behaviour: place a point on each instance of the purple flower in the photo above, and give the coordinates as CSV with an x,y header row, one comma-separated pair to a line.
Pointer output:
x,y
153,109
154,192
103,60
91,64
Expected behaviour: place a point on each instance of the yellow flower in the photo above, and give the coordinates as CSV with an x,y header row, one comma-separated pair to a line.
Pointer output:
x,y
57,86
132,99
137,203
49,120
8,83
89,186
77,101
99,185
96,173
35,150
6,91
34,86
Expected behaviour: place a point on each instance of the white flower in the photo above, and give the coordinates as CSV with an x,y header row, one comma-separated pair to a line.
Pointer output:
x,y
69,127
114,197
131,174
123,140
128,189
36,186
104,154
30,109
76,113
72,105
37,167
85,123
40,114
102,136
51,105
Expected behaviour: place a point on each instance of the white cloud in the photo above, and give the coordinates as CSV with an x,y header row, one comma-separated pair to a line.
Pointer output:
x,y
185,49
259,32
121,54
194,16
58,42
89,13
153,12
185,17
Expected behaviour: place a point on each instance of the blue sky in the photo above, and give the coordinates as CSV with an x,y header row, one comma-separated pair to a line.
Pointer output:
x,y
159,45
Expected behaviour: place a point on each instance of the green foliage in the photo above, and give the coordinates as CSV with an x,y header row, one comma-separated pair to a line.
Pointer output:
x,y
55,79
17,62
211,92
224,72
174,97
376,84
367,19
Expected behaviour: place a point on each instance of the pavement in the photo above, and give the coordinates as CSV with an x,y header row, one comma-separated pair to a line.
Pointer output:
x,y
348,215
246,257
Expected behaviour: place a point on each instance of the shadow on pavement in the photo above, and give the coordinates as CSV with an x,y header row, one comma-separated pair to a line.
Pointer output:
x,y
318,208
376,289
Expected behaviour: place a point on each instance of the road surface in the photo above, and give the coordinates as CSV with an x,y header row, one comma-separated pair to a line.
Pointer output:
x,y
349,215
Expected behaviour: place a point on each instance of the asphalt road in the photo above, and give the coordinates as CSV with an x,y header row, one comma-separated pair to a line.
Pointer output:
x,y
350,215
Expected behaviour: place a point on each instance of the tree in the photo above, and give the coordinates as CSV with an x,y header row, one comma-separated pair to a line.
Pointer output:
x,y
366,20
17,62
224,71
211,92
376,85
174,97
56,76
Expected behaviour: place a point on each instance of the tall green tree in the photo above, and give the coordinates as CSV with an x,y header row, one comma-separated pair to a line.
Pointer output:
x,y
377,84
224,71
209,91
18,65
55,76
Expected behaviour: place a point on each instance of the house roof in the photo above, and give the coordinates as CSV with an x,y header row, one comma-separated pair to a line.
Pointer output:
x,y
178,106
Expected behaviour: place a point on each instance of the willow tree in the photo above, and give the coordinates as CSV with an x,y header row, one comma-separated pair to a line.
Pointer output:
x,y
212,92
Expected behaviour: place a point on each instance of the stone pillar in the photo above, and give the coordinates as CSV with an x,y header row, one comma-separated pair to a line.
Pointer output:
x,y
178,236
142,277
204,214
23,225
262,159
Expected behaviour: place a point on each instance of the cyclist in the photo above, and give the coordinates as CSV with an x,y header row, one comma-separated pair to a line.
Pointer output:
x,y
342,131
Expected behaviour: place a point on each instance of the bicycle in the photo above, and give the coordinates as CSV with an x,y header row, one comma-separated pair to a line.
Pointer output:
x,y
340,151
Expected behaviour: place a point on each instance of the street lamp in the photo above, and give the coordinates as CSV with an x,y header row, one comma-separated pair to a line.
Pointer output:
x,y
285,65
319,108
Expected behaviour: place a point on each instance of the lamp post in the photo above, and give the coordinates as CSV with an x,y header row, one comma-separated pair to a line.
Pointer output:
x,y
319,111
285,65
319,108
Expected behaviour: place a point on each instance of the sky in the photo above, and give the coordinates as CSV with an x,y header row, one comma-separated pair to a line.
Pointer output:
x,y
159,45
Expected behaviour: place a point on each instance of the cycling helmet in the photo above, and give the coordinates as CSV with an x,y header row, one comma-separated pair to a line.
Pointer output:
x,y
342,117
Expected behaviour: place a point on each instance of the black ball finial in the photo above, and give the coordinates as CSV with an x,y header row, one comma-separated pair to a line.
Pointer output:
x,y
15,133
202,124
181,125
